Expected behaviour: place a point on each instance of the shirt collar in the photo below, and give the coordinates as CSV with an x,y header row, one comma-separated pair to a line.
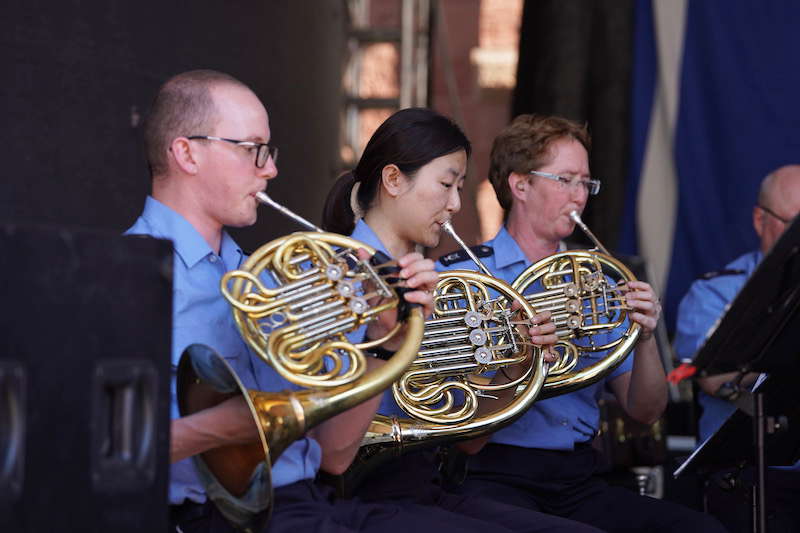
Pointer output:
x,y
190,246
364,233
232,255
506,249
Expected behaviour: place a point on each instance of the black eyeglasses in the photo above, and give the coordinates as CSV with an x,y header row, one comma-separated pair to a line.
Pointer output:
x,y
772,213
263,150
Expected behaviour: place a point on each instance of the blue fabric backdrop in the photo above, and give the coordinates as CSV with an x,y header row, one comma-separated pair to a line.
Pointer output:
x,y
738,118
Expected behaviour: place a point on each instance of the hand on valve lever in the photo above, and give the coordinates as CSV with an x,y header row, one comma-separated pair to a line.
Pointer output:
x,y
418,273
642,299
543,334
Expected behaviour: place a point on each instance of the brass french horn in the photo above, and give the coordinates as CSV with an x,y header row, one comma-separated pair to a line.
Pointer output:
x,y
294,300
473,334
582,289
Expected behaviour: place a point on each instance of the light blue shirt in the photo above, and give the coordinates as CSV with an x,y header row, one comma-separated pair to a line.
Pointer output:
x,y
706,301
557,423
201,315
364,233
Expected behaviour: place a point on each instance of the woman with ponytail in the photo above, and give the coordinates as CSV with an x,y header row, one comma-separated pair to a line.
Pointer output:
x,y
406,184
382,192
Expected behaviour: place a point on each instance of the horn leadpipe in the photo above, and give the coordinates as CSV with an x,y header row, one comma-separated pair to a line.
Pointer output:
x,y
448,227
266,200
577,219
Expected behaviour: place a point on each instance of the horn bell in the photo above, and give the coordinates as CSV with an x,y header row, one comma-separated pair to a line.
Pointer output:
x,y
237,477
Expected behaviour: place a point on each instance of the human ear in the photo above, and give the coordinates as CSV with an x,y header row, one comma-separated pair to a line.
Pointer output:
x,y
183,156
393,180
758,221
518,184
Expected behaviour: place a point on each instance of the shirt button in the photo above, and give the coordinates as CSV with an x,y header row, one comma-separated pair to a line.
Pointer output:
x,y
563,421
213,258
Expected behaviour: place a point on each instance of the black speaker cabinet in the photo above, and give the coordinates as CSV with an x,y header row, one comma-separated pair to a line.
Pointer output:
x,y
85,329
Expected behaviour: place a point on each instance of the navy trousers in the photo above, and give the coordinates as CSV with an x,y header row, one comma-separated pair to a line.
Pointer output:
x,y
563,483
306,506
193,517
413,479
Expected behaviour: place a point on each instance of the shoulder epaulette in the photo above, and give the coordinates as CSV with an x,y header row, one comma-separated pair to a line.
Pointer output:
x,y
460,255
724,272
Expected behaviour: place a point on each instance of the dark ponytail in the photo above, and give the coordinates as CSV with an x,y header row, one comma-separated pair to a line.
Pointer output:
x,y
410,139
337,215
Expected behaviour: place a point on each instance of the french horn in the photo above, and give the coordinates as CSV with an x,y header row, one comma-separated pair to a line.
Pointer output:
x,y
294,300
584,292
473,335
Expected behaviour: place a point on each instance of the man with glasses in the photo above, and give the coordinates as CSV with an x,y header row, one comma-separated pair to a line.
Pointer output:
x,y
707,299
199,186
545,461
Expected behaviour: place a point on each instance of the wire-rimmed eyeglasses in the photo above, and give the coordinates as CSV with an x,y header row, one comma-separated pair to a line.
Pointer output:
x,y
568,182
772,213
263,150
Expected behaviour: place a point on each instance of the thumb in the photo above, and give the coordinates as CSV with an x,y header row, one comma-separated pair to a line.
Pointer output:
x,y
363,254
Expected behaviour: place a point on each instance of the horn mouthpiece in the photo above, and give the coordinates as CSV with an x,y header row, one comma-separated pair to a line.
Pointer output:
x,y
577,219
447,226
262,197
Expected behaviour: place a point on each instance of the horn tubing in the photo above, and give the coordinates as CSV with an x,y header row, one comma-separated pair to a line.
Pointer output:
x,y
408,431
564,383
319,406
577,219
266,200
448,227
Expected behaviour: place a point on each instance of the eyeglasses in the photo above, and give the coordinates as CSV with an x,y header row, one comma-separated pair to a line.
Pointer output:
x,y
772,213
263,150
567,182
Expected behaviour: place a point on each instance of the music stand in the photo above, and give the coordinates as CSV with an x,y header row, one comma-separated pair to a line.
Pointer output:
x,y
757,334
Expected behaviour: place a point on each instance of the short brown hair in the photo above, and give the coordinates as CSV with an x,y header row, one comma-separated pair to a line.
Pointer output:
x,y
524,145
183,106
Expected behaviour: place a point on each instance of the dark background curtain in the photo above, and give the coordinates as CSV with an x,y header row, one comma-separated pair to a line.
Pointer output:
x,y
575,61
80,76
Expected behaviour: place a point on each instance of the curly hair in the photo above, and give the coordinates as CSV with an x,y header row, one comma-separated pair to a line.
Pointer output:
x,y
524,145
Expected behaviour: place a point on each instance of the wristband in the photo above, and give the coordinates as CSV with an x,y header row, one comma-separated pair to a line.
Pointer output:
x,y
379,352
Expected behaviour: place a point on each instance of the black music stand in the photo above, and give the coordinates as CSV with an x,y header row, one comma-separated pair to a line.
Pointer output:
x,y
758,333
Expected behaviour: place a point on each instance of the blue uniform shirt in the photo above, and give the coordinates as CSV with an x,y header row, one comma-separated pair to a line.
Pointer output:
x,y
706,301
364,233
557,423
201,315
